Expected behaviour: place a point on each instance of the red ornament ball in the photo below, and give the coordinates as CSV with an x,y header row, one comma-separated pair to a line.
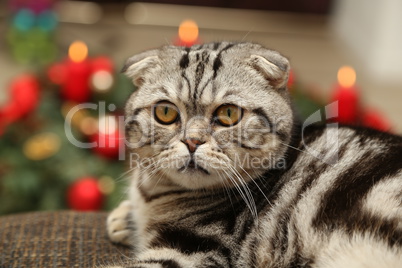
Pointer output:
x,y
85,195
24,98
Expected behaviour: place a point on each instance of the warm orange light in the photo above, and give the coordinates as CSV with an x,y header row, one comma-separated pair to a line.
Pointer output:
x,y
346,76
188,31
78,51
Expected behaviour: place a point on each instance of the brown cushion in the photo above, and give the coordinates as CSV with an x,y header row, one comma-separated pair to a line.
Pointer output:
x,y
57,239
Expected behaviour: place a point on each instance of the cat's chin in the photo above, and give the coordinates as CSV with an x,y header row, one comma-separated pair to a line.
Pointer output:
x,y
193,168
194,178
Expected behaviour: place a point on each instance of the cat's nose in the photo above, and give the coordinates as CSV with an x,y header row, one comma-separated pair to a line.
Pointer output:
x,y
192,144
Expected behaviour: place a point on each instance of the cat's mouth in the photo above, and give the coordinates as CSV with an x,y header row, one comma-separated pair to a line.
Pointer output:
x,y
192,166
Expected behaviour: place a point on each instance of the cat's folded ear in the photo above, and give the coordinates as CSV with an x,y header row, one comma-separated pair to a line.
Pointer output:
x,y
138,65
273,66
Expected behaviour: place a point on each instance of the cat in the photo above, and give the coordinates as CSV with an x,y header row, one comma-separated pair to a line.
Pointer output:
x,y
226,176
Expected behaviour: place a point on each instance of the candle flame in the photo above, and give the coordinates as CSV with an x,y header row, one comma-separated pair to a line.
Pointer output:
x,y
346,76
78,51
188,31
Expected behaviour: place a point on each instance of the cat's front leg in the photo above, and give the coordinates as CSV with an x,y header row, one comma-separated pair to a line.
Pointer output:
x,y
172,258
120,226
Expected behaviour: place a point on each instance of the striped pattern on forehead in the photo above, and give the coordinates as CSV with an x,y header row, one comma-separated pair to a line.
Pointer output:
x,y
200,63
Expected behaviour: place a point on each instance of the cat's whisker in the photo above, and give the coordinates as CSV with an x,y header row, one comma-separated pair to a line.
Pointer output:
x,y
226,187
125,174
168,43
149,175
129,171
247,190
246,195
156,167
124,177
303,151
256,184
239,190
245,36
159,179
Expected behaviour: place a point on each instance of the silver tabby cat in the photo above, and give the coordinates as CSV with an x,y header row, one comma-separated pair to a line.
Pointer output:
x,y
223,176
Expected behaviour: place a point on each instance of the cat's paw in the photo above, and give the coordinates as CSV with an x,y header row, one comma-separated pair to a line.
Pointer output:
x,y
120,225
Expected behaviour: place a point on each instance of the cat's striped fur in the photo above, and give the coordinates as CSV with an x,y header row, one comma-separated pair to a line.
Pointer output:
x,y
325,197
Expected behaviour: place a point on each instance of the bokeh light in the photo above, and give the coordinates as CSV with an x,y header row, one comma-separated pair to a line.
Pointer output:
x,y
107,124
42,146
78,51
346,76
89,125
188,31
47,20
24,20
106,184
102,81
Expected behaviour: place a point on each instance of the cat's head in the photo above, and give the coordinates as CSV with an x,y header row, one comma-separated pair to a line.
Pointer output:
x,y
209,115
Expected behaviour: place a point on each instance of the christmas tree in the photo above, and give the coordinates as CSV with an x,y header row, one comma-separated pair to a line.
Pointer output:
x,y
40,168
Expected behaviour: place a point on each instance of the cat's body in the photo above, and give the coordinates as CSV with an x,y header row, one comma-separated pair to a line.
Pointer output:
x,y
257,191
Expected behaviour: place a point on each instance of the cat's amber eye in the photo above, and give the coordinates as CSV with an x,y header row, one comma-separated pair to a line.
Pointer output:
x,y
166,112
228,114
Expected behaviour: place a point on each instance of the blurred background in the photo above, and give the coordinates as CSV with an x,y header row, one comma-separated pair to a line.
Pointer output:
x,y
55,55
